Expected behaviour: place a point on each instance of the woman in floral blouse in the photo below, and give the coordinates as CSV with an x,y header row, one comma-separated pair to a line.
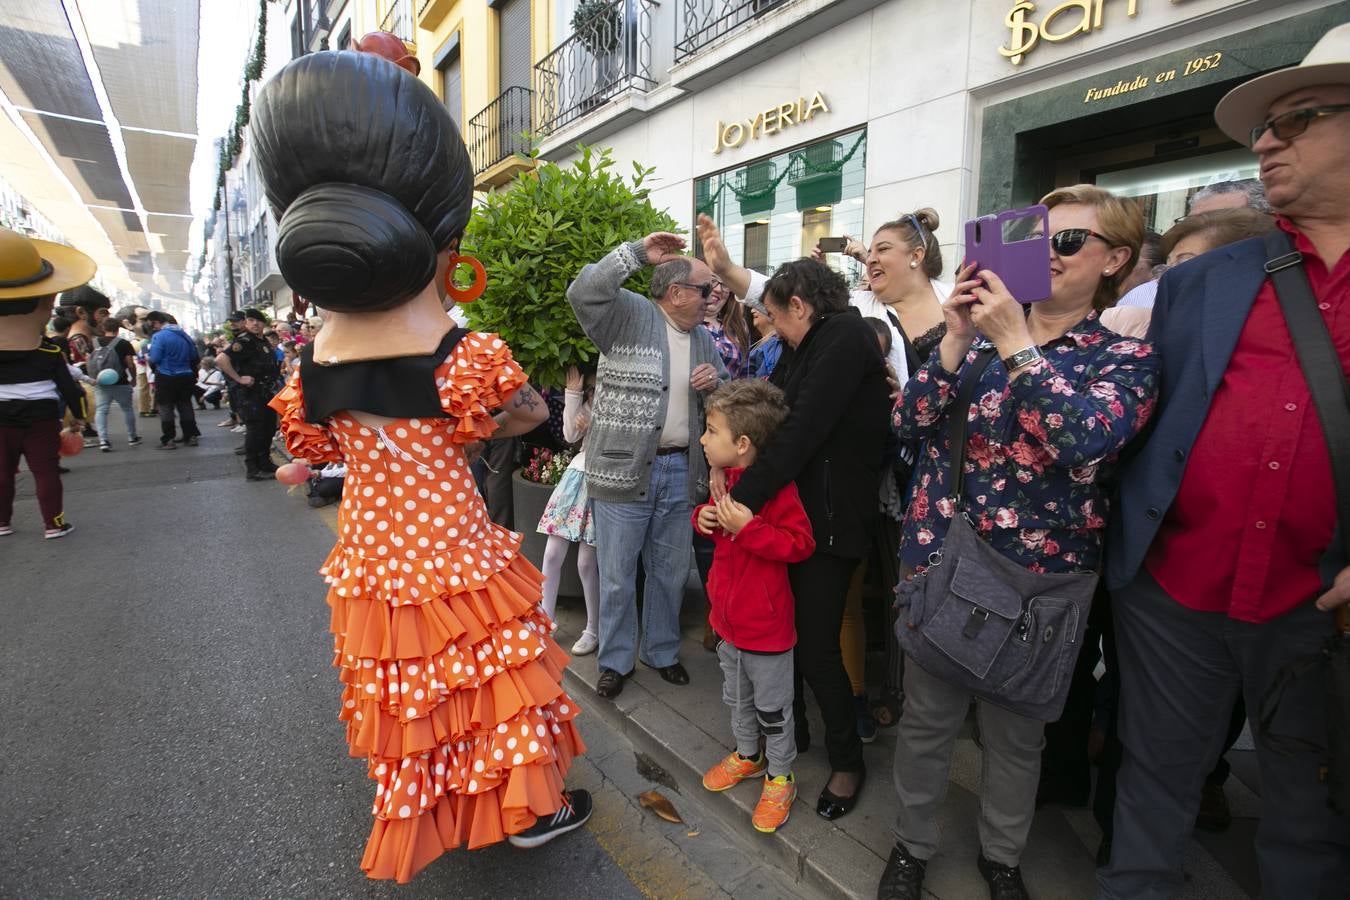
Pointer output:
x,y
726,323
1051,413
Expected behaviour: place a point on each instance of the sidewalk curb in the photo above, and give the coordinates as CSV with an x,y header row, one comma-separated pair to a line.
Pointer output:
x,y
811,852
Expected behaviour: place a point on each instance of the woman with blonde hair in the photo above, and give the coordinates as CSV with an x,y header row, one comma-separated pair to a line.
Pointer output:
x,y
1053,398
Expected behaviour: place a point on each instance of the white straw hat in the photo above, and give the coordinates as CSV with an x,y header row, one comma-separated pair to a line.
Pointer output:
x,y
1245,106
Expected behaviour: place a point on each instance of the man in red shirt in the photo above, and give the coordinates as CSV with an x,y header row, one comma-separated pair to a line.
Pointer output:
x,y
1224,555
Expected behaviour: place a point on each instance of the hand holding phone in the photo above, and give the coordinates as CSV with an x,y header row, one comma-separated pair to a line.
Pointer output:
x,y
1015,245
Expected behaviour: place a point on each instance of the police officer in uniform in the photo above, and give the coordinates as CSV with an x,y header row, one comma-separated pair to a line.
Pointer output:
x,y
251,364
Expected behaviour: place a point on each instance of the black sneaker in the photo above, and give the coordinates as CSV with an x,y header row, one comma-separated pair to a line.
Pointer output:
x,y
105,447
259,476
1005,882
58,531
134,442
903,878
191,442
575,810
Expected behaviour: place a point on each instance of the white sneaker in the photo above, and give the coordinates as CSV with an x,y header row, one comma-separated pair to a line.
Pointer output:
x,y
239,429
59,532
587,644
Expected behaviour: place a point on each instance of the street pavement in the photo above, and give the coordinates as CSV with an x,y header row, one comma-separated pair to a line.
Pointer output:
x,y
168,711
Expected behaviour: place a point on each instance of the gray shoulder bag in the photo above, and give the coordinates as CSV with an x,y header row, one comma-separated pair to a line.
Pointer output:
x,y
978,620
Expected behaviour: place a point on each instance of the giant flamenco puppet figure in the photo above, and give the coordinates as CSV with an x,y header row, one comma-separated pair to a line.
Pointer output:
x,y
452,683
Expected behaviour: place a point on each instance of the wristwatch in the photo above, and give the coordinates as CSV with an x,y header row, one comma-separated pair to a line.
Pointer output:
x,y
1022,358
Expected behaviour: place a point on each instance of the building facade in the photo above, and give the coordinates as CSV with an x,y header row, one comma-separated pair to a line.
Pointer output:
x,y
788,120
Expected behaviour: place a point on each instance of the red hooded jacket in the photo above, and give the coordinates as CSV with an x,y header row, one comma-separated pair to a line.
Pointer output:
x,y
748,586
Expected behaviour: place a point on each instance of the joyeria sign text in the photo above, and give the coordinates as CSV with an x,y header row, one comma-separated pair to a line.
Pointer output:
x,y
731,135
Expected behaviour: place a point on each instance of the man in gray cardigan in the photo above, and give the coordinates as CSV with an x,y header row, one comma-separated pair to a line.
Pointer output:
x,y
644,465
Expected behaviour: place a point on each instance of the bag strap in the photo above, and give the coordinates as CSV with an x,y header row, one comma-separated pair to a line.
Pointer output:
x,y
1321,365
960,412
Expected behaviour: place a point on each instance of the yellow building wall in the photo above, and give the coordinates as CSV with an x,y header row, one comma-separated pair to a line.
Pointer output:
x,y
476,24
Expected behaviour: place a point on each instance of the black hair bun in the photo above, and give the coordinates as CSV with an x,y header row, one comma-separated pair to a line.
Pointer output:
x,y
353,249
367,175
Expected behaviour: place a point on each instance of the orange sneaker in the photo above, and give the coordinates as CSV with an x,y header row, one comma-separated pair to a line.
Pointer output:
x,y
732,771
774,803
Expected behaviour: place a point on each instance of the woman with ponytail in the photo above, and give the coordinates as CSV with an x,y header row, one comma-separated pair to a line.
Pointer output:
x,y
452,682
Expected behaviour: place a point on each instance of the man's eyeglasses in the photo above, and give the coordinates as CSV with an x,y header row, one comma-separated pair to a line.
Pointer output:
x,y
1071,240
704,290
1290,125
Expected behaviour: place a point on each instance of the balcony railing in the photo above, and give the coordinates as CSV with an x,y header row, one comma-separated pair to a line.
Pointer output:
x,y
609,54
501,130
704,21
398,20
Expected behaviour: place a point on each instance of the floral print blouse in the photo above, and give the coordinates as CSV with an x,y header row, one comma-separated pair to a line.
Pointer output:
x,y
1037,449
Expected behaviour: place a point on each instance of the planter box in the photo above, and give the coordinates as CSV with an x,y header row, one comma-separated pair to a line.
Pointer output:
x,y
528,500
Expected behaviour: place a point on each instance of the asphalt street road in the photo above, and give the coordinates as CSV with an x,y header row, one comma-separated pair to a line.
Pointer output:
x,y
168,710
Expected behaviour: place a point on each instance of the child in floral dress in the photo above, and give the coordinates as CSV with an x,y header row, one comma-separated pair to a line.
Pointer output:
x,y
567,517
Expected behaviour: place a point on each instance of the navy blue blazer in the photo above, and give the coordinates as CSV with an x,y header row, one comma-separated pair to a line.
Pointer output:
x,y
1198,315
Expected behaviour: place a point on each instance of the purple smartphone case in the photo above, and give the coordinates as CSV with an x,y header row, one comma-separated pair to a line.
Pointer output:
x,y
1023,265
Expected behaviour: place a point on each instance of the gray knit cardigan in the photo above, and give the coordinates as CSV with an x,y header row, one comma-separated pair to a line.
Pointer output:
x,y
633,381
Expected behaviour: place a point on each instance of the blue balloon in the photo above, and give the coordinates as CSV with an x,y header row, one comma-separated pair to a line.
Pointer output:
x,y
107,376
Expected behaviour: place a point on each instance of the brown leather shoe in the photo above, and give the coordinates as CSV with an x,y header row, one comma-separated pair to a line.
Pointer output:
x,y
610,684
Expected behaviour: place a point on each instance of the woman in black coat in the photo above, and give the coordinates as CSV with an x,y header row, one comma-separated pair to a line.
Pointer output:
x,y
831,445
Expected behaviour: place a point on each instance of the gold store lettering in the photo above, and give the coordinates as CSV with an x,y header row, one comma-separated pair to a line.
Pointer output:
x,y
1139,82
1054,25
731,135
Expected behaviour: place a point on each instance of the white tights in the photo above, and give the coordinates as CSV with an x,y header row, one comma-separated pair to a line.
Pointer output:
x,y
555,551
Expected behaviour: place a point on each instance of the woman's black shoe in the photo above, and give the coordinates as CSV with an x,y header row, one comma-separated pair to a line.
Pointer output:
x,y
903,878
832,807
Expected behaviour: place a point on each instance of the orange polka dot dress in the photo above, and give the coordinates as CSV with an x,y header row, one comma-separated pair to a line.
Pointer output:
x,y
453,688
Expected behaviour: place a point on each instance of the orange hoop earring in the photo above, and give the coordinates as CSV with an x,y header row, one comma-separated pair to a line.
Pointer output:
x,y
473,291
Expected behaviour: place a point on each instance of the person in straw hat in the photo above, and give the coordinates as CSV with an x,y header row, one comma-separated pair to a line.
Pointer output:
x,y
1237,473
34,378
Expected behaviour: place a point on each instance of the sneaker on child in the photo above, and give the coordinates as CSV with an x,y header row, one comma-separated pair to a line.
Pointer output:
x,y
732,770
775,803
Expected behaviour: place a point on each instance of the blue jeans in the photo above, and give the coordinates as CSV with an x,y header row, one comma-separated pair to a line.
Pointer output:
x,y
104,395
657,526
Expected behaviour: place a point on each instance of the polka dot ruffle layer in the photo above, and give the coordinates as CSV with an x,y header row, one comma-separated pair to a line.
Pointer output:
x,y
452,682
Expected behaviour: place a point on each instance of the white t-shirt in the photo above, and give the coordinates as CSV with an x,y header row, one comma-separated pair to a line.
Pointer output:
x,y
675,430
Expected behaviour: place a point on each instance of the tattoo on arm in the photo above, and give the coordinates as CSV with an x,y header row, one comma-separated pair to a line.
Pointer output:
x,y
525,398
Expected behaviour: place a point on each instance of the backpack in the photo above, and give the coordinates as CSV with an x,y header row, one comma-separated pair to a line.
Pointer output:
x,y
106,357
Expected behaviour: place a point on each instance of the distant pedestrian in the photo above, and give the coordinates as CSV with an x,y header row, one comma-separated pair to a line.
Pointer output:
x,y
174,357
250,362
34,376
115,355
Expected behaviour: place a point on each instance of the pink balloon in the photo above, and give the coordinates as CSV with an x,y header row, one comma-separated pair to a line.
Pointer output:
x,y
293,473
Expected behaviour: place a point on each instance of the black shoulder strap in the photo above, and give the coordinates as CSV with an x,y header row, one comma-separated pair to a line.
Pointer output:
x,y
1321,365
912,360
960,411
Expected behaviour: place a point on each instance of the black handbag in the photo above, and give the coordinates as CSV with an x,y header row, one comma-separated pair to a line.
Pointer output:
x,y
1331,396
978,620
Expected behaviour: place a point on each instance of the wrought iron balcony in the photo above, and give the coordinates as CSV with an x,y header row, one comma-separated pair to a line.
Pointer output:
x,y
398,20
609,53
704,21
501,130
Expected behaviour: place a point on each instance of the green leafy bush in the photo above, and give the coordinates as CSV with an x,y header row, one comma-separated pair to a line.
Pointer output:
x,y
535,235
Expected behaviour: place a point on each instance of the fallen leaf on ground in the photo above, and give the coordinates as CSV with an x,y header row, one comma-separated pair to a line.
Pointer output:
x,y
691,834
657,803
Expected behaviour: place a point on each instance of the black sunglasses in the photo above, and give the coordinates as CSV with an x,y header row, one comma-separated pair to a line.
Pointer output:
x,y
704,290
1290,125
1071,240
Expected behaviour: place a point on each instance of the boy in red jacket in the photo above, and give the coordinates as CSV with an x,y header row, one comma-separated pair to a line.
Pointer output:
x,y
751,600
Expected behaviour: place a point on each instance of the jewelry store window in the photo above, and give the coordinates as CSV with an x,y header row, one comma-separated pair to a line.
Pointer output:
x,y
1165,189
775,209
